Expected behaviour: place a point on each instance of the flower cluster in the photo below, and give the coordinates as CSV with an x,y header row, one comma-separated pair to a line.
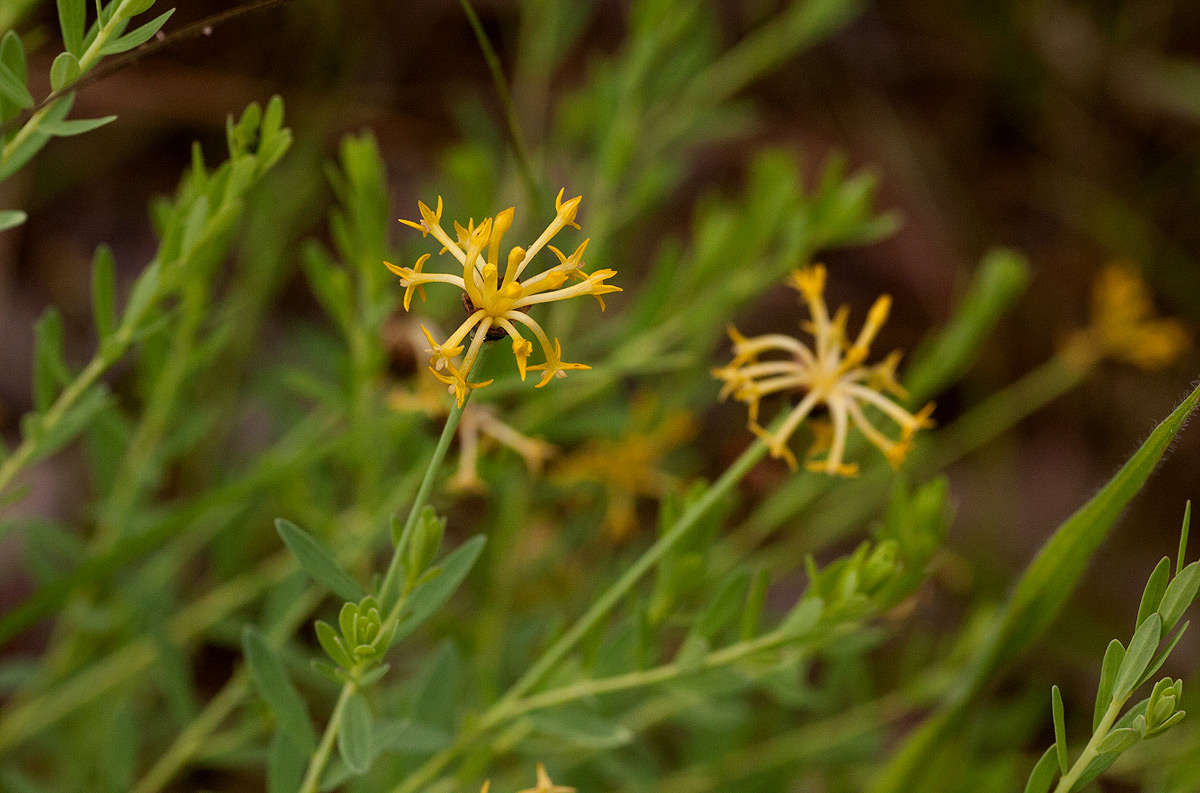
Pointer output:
x,y
1123,324
496,304
831,373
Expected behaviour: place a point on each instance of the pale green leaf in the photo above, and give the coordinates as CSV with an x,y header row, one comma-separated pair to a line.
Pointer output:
x,y
273,685
317,561
354,737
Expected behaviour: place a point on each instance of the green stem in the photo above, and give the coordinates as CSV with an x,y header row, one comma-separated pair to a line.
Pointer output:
x,y
1067,782
435,463
312,778
520,148
585,624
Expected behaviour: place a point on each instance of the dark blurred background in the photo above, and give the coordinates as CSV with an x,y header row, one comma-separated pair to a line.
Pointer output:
x,y
1066,130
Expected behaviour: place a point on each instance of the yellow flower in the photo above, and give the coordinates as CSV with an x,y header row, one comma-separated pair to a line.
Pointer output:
x,y
1123,324
829,373
628,467
544,785
478,422
497,305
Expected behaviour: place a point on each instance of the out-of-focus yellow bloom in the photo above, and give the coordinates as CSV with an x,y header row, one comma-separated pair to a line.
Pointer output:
x,y
1123,325
477,423
830,373
628,467
544,785
496,304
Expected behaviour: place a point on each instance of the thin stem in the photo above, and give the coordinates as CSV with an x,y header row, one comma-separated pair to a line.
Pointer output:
x,y
312,778
1067,782
435,463
520,148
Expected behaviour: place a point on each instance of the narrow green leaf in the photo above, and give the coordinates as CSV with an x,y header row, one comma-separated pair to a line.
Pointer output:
x,y
72,16
11,218
1001,278
1180,594
803,617
1156,585
285,765
332,644
1183,536
64,71
73,422
429,596
582,727
142,296
65,129
49,368
1118,741
723,607
1161,658
104,292
13,88
1113,656
1060,729
137,37
1138,656
273,685
317,561
12,55
756,598
354,737
1042,775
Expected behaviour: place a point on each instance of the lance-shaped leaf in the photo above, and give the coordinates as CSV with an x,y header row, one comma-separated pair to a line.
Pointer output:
x,y
272,684
317,561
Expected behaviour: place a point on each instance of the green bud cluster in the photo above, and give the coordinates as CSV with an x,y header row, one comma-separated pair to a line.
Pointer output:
x,y
361,644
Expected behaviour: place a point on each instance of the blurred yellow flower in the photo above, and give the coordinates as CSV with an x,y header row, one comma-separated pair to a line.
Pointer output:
x,y
496,306
544,785
831,373
477,423
628,467
1123,325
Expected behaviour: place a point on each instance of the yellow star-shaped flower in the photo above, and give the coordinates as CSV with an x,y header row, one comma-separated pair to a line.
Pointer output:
x,y
544,785
830,373
499,305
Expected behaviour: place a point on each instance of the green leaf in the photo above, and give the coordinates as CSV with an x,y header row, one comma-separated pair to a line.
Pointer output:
x,y
1183,536
1138,656
803,617
1113,656
1042,775
11,218
354,737
1060,729
13,88
1118,741
582,727
1001,278
724,606
1161,658
429,596
317,561
332,644
104,292
72,15
64,71
1095,768
49,369
756,598
65,129
142,296
273,685
1156,585
285,765
75,421
138,37
1180,594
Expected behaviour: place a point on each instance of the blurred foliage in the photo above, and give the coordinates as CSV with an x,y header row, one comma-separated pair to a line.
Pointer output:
x,y
264,577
